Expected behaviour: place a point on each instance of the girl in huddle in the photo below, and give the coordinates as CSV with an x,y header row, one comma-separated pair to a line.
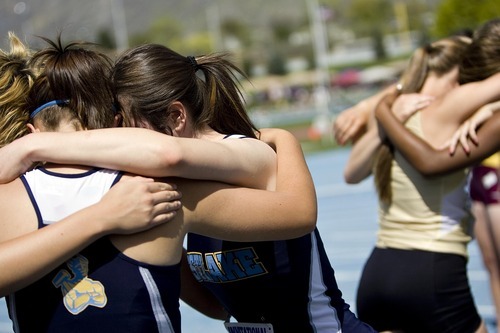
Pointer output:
x,y
86,281
196,101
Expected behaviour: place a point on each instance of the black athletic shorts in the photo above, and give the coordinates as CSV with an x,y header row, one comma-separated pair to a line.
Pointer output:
x,y
416,291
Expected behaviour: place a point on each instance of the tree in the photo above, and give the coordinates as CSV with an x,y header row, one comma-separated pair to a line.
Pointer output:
x,y
455,15
105,39
372,18
236,29
161,31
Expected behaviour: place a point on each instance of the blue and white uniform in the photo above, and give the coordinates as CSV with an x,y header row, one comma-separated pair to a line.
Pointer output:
x,y
100,289
288,285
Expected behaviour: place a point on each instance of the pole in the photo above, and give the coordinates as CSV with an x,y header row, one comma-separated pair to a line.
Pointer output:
x,y
119,25
320,46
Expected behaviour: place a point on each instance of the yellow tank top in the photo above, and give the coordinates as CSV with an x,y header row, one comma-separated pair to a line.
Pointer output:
x,y
430,214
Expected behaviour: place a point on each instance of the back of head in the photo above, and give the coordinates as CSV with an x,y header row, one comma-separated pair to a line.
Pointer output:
x,y
78,79
482,59
147,79
16,78
439,58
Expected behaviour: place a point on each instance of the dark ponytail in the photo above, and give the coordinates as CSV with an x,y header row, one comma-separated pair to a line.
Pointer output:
x,y
147,79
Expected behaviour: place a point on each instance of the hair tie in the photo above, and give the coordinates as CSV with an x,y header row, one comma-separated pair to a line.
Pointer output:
x,y
193,62
59,102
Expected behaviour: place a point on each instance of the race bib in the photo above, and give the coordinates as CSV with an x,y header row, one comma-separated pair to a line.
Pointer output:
x,y
248,328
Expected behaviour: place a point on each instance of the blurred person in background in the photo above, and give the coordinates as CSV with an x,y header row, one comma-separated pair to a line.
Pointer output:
x,y
396,290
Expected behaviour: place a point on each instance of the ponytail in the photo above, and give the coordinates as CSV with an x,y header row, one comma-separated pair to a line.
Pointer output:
x,y
224,109
149,78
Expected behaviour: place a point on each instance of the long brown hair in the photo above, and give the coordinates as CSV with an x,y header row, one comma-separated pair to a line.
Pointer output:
x,y
482,59
75,74
439,57
149,78
16,79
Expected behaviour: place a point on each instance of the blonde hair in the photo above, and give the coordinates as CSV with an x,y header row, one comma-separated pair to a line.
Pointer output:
x,y
16,79
439,58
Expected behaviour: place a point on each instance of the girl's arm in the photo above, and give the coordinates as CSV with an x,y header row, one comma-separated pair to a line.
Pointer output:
x,y
352,123
240,214
130,206
145,152
197,296
461,102
291,211
425,158
468,129
361,159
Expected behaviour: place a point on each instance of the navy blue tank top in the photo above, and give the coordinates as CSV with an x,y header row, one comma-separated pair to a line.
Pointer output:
x,y
100,289
287,284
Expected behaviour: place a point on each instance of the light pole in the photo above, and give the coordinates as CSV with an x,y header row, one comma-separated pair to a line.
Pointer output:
x,y
119,25
320,48
213,23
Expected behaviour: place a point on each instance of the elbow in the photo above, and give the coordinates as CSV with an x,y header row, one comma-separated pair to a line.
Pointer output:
x,y
308,219
430,172
427,168
350,178
169,159
350,181
310,224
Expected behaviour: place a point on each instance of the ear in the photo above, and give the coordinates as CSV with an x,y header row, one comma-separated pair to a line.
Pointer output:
x,y
177,118
118,121
32,128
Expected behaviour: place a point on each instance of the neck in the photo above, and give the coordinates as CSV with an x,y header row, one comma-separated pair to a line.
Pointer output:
x,y
207,133
437,86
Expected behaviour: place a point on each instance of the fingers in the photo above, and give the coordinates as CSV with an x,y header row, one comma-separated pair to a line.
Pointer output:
x,y
407,104
163,218
461,136
164,195
423,102
161,186
341,127
473,135
465,135
139,179
165,211
166,207
453,143
347,130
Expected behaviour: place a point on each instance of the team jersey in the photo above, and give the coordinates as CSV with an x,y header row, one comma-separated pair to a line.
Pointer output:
x,y
426,213
284,286
99,289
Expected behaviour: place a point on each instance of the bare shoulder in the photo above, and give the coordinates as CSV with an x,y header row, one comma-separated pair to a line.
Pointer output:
x,y
18,213
249,145
11,192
